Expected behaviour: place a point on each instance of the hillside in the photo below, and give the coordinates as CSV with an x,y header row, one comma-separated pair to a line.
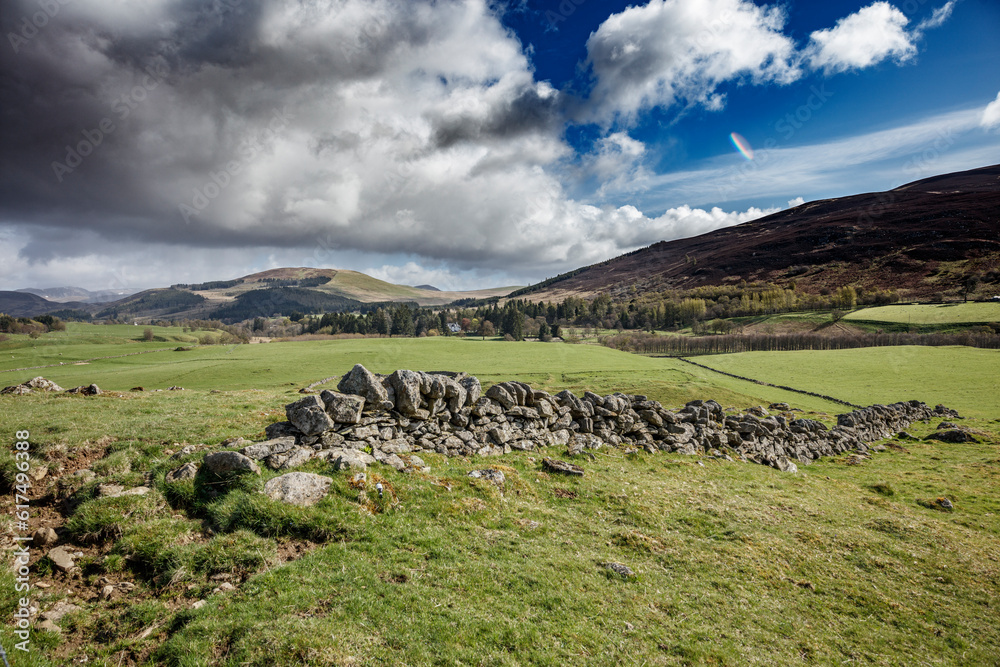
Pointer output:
x,y
922,239
283,291
26,304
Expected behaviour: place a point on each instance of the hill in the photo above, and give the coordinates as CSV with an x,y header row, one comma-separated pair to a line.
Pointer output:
x,y
26,304
921,239
283,291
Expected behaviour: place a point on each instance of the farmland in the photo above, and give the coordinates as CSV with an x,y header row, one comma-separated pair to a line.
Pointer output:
x,y
734,563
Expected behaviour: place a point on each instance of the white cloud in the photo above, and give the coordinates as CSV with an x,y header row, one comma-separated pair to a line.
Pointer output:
x,y
867,162
798,201
670,52
937,19
867,37
991,114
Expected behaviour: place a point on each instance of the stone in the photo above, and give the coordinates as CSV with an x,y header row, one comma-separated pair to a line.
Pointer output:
x,y
490,475
555,465
352,459
298,488
117,491
620,569
952,435
261,450
280,430
62,558
360,381
227,463
406,385
186,450
473,389
309,415
48,626
106,592
784,464
60,609
199,604
946,425
42,384
89,390
343,408
294,458
44,537
500,394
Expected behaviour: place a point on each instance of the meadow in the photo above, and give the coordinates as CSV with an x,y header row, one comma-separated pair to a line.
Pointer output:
x,y
846,561
926,313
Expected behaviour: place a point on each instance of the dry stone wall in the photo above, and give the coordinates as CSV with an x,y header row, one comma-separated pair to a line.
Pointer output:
x,y
393,418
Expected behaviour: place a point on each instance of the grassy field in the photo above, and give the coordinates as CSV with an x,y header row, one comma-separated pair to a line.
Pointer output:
x,y
734,563
949,313
965,379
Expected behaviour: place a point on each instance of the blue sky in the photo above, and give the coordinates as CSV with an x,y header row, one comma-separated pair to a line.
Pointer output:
x,y
461,143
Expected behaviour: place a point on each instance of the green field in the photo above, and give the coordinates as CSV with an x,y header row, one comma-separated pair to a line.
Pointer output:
x,y
735,563
948,313
965,379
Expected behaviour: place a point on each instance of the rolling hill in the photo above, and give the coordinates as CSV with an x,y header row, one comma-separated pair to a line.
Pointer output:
x,y
283,291
921,239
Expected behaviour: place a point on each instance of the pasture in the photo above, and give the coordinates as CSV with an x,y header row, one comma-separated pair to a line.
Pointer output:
x,y
733,563
927,313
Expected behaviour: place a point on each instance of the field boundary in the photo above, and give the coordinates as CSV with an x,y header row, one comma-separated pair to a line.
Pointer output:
x,y
768,384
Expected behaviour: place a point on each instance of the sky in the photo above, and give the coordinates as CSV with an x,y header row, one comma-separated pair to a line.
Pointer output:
x,y
460,143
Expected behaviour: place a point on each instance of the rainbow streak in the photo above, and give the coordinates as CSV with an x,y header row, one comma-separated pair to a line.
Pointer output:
x,y
742,145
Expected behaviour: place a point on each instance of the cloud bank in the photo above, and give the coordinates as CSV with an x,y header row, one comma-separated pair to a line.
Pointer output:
x,y
142,138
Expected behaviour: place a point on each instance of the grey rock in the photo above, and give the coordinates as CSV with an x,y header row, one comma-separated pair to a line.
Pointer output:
x,y
298,488
952,435
309,415
490,475
42,384
295,458
620,569
186,450
362,382
784,464
473,389
62,558
406,385
44,537
280,430
343,408
352,459
261,450
227,463
58,610
500,394
187,471
555,465
117,491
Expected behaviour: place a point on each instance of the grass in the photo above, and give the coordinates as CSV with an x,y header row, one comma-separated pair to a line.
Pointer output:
x,y
948,313
965,379
735,564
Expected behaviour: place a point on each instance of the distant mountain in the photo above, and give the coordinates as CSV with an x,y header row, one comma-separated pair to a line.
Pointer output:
x,y
25,304
78,294
922,239
429,288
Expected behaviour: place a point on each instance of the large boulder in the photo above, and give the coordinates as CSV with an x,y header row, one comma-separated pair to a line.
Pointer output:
x,y
43,384
362,382
309,415
351,459
298,488
343,408
406,385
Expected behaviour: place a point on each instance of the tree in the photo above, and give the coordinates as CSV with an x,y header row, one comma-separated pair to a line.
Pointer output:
x,y
443,319
147,334
380,322
486,329
969,284
402,321
556,331
544,332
